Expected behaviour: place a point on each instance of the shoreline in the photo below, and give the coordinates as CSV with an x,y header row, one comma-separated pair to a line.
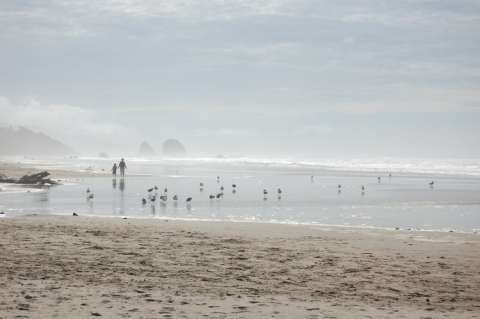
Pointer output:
x,y
322,227
76,266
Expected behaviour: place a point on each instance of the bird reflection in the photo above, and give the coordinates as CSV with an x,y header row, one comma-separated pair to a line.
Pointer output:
x,y
114,183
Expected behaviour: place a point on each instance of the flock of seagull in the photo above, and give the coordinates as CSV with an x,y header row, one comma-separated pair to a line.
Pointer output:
x,y
153,194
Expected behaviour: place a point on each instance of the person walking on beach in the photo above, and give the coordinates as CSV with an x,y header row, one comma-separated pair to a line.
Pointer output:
x,y
122,167
114,169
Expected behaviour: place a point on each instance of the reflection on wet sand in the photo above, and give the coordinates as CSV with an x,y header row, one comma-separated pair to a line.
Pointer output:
x,y
122,184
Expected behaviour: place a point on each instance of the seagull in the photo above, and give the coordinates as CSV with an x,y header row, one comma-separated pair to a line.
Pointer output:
x,y
431,183
150,190
175,197
165,190
234,185
265,192
222,188
88,190
155,188
153,198
219,195
90,196
163,198
363,188
188,200
201,184
211,196
279,191
144,201
379,179
74,214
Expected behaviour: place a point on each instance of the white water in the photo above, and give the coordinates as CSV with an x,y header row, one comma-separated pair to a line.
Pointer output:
x,y
458,167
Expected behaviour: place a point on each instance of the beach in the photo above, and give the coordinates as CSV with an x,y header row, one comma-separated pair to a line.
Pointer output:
x,y
79,267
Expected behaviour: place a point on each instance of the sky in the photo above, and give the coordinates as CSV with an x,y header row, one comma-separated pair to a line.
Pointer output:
x,y
283,78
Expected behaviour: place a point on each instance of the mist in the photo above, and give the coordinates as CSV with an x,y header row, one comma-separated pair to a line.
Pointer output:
x,y
288,79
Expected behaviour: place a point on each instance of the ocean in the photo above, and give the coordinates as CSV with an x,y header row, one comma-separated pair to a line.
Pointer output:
x,y
325,192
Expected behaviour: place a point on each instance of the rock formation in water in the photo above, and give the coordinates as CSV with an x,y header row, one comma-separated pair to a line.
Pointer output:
x,y
22,141
146,150
173,148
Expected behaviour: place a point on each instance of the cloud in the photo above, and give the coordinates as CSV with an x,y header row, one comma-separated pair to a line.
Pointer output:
x,y
225,132
312,131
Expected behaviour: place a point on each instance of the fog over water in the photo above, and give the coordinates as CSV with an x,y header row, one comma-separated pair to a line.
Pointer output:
x,y
268,79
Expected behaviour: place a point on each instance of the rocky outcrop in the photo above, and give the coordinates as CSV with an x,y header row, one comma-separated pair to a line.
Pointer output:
x,y
146,150
173,148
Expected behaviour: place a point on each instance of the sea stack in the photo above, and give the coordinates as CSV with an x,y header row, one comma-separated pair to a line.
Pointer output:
x,y
173,148
146,150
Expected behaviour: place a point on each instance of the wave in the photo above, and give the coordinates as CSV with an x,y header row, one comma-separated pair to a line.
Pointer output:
x,y
459,167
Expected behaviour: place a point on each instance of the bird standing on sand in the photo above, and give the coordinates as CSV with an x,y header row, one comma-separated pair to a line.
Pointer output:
x,y
431,184
219,195
211,196
175,197
222,188
379,179
90,196
88,190
144,201
165,190
188,200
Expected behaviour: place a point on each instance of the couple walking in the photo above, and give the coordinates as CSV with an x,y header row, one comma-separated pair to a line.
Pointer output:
x,y
122,166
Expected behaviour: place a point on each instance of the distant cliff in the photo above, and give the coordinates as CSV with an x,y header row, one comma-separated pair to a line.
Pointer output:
x,y
22,141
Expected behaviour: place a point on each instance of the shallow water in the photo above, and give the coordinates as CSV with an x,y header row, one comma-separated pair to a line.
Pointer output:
x,y
404,201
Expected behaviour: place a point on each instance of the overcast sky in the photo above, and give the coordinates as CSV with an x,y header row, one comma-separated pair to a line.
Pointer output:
x,y
242,77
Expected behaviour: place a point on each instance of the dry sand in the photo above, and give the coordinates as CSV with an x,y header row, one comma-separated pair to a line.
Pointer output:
x,y
78,267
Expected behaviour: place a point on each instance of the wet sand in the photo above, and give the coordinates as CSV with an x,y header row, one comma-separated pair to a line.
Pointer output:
x,y
79,267
16,170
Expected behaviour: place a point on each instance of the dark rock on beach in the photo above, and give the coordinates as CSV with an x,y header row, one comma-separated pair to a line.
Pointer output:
x,y
32,179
